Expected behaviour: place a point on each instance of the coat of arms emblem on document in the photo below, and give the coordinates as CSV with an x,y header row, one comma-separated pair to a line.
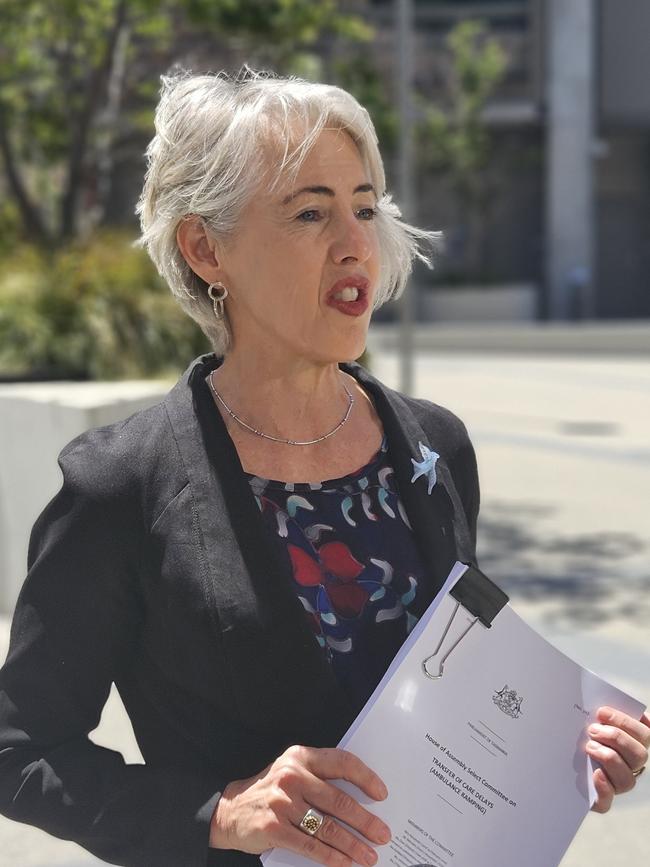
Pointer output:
x,y
508,701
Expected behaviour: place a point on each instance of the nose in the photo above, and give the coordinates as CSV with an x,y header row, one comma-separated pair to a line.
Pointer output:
x,y
352,241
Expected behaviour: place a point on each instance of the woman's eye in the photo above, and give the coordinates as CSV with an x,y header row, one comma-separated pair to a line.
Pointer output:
x,y
368,213
309,216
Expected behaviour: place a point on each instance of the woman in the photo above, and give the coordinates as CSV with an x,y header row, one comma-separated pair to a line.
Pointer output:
x,y
245,558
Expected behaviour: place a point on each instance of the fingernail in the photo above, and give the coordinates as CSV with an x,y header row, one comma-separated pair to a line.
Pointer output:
x,y
371,857
383,791
385,835
595,729
593,747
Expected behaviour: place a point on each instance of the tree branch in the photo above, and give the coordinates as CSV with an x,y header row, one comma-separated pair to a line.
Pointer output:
x,y
109,124
33,222
95,87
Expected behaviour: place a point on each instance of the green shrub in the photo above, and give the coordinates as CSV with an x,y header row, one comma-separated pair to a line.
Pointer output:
x,y
96,309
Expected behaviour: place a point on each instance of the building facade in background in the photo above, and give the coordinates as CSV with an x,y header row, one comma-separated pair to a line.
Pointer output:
x,y
570,207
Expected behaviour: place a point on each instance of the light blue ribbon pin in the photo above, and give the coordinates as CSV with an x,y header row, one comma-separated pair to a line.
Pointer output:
x,y
426,467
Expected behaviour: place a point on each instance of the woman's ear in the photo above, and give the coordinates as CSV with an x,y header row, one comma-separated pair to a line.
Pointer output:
x,y
198,247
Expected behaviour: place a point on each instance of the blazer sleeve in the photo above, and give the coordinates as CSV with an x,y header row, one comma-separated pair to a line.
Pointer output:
x,y
75,623
464,471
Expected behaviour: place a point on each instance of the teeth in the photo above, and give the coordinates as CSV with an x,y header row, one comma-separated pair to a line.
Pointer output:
x,y
349,293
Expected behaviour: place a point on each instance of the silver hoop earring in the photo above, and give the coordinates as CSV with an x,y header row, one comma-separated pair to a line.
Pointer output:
x,y
217,301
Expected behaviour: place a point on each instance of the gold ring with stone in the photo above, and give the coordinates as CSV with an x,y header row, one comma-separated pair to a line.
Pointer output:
x,y
311,821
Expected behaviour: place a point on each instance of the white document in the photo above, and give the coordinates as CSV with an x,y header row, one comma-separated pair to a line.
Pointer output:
x,y
485,766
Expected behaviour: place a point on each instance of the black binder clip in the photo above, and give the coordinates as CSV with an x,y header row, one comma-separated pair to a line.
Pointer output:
x,y
481,598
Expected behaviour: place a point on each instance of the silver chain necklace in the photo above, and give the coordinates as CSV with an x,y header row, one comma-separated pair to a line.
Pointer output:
x,y
279,439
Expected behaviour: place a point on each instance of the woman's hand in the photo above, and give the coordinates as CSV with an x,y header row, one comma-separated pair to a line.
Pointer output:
x,y
619,743
266,810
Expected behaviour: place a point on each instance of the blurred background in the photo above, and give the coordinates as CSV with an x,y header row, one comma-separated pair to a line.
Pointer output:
x,y
521,128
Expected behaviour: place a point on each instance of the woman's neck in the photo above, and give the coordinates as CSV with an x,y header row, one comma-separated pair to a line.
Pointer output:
x,y
295,399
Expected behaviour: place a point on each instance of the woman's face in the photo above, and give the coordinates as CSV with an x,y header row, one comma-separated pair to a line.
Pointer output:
x,y
294,252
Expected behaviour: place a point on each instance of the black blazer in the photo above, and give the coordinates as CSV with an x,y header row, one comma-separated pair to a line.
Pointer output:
x,y
152,568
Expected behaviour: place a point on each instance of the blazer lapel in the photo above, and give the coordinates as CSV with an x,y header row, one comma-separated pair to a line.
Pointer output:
x,y
279,677
437,518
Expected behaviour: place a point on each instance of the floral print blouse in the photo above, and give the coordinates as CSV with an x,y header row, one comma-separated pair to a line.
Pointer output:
x,y
355,565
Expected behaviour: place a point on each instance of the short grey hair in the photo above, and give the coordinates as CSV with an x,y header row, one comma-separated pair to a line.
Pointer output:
x,y
216,136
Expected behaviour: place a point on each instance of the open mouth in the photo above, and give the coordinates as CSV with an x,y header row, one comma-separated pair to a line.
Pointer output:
x,y
349,295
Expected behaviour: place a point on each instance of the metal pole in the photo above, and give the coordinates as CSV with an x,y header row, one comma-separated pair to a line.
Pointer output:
x,y
405,65
570,217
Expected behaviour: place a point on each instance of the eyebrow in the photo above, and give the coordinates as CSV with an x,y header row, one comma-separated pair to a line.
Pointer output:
x,y
326,191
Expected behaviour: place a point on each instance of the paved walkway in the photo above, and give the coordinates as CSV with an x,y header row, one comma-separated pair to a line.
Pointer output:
x,y
564,455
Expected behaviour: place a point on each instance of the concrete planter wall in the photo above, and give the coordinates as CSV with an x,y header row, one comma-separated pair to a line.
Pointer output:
x,y
511,302
38,419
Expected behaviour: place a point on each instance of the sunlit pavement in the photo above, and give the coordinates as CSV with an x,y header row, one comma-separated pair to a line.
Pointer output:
x,y
564,455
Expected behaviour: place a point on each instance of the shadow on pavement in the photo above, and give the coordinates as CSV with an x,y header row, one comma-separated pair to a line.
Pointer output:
x,y
586,579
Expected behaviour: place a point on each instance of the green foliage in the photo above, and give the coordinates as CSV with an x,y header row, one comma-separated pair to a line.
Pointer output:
x,y
360,76
453,136
454,140
305,64
57,66
92,309
281,24
49,53
9,225
79,79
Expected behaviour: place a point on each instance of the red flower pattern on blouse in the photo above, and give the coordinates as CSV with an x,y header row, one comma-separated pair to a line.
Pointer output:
x,y
336,570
